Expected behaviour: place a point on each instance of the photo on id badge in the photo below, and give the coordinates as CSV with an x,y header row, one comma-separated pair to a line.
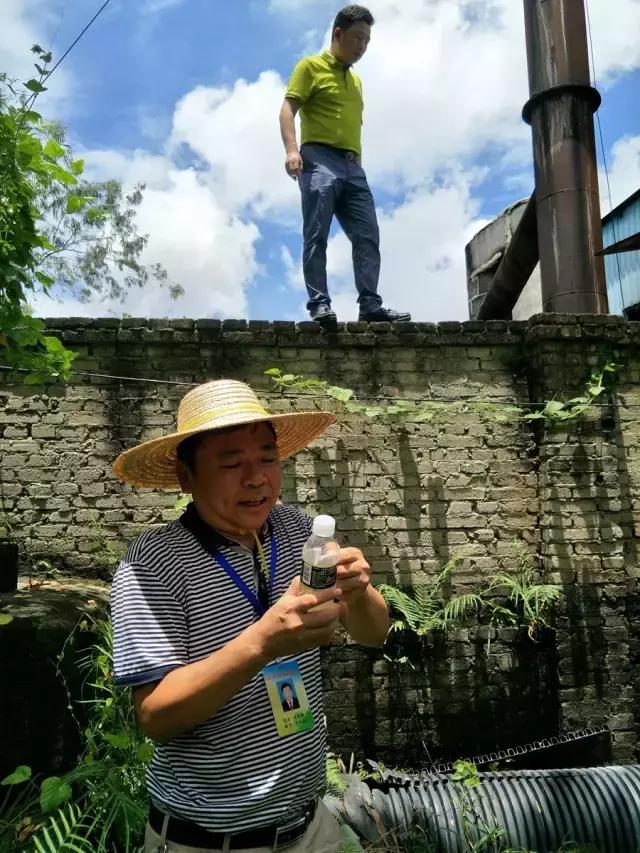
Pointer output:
x,y
288,698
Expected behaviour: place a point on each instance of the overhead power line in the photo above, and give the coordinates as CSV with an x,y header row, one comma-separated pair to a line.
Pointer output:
x,y
77,39
604,155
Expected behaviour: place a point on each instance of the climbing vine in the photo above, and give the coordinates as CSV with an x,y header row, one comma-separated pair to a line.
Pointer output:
x,y
416,411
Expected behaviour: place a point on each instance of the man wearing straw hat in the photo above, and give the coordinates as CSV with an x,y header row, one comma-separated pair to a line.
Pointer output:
x,y
208,620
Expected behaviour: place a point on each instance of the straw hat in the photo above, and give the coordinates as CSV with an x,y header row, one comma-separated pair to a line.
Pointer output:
x,y
215,405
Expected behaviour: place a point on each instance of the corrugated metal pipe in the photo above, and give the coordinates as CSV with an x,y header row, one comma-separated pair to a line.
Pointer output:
x,y
539,810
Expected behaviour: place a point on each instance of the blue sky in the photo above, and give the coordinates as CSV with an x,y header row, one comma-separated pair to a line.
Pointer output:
x,y
184,95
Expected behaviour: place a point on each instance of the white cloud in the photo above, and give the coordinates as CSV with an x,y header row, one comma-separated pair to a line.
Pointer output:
x,y
153,6
235,132
292,270
205,249
291,6
25,23
614,30
624,172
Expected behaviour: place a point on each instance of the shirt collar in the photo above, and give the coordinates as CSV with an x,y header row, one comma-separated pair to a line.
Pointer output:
x,y
331,59
191,520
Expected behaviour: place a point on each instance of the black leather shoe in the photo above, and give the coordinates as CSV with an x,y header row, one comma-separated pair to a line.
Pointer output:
x,y
324,315
384,315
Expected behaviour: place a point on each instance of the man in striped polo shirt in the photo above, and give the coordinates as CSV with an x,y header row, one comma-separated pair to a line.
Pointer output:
x,y
211,632
328,166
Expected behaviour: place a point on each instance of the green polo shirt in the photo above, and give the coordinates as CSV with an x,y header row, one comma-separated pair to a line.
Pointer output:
x,y
330,98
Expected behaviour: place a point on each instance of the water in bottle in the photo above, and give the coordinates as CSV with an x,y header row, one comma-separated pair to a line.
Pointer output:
x,y
319,556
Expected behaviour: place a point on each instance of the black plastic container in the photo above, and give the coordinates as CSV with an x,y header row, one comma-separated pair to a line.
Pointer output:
x,y
8,566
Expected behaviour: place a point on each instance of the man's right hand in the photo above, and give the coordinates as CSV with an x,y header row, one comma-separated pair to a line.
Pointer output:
x,y
293,164
292,625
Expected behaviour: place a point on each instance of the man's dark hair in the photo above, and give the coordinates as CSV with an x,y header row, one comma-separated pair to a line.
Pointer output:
x,y
187,449
286,684
351,15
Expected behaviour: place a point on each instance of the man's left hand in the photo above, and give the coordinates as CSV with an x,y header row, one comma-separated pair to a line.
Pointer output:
x,y
353,575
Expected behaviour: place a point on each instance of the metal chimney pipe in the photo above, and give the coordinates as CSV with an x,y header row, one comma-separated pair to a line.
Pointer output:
x,y
560,111
517,264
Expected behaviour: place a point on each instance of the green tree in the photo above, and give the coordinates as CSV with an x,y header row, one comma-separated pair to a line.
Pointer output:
x,y
56,229
96,246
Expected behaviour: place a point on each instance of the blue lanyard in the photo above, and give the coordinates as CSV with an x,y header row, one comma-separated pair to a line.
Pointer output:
x,y
244,589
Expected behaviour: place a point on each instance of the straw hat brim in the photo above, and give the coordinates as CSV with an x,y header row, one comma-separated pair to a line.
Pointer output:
x,y
152,463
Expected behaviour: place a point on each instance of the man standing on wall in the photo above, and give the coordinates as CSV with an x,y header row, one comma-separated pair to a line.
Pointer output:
x,y
328,166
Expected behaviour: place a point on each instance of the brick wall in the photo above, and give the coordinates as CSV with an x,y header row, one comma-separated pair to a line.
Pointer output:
x,y
409,496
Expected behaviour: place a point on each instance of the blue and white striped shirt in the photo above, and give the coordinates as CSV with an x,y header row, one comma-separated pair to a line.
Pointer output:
x,y
172,605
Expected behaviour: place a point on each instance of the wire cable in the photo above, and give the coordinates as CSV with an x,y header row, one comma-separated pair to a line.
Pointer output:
x,y
77,39
604,156
297,395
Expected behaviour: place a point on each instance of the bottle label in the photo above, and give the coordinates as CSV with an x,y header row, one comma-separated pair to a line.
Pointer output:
x,y
316,577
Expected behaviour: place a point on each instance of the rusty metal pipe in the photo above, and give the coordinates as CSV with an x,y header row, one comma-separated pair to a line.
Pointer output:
x,y
515,268
560,110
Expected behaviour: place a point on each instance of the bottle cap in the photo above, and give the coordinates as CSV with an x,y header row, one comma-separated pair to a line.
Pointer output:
x,y
324,525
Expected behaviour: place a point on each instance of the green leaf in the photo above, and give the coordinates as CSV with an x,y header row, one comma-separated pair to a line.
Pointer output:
x,y
54,791
31,116
574,401
29,146
60,174
19,775
53,149
119,741
424,416
273,371
75,203
342,394
47,57
45,280
96,214
145,752
37,49
77,167
553,409
34,86
36,378
5,618
53,345
182,502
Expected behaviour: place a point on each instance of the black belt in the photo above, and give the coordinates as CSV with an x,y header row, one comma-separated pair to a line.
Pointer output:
x,y
192,835
347,153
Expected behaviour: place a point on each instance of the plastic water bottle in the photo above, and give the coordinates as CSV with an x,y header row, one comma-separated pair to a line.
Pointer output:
x,y
319,556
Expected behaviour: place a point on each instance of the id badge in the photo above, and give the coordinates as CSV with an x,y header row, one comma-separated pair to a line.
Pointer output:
x,y
288,698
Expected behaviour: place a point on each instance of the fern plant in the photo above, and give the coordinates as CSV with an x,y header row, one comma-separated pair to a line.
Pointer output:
x,y
68,831
530,598
421,610
509,599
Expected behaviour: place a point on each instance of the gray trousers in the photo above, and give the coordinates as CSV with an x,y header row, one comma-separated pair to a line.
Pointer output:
x,y
333,184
